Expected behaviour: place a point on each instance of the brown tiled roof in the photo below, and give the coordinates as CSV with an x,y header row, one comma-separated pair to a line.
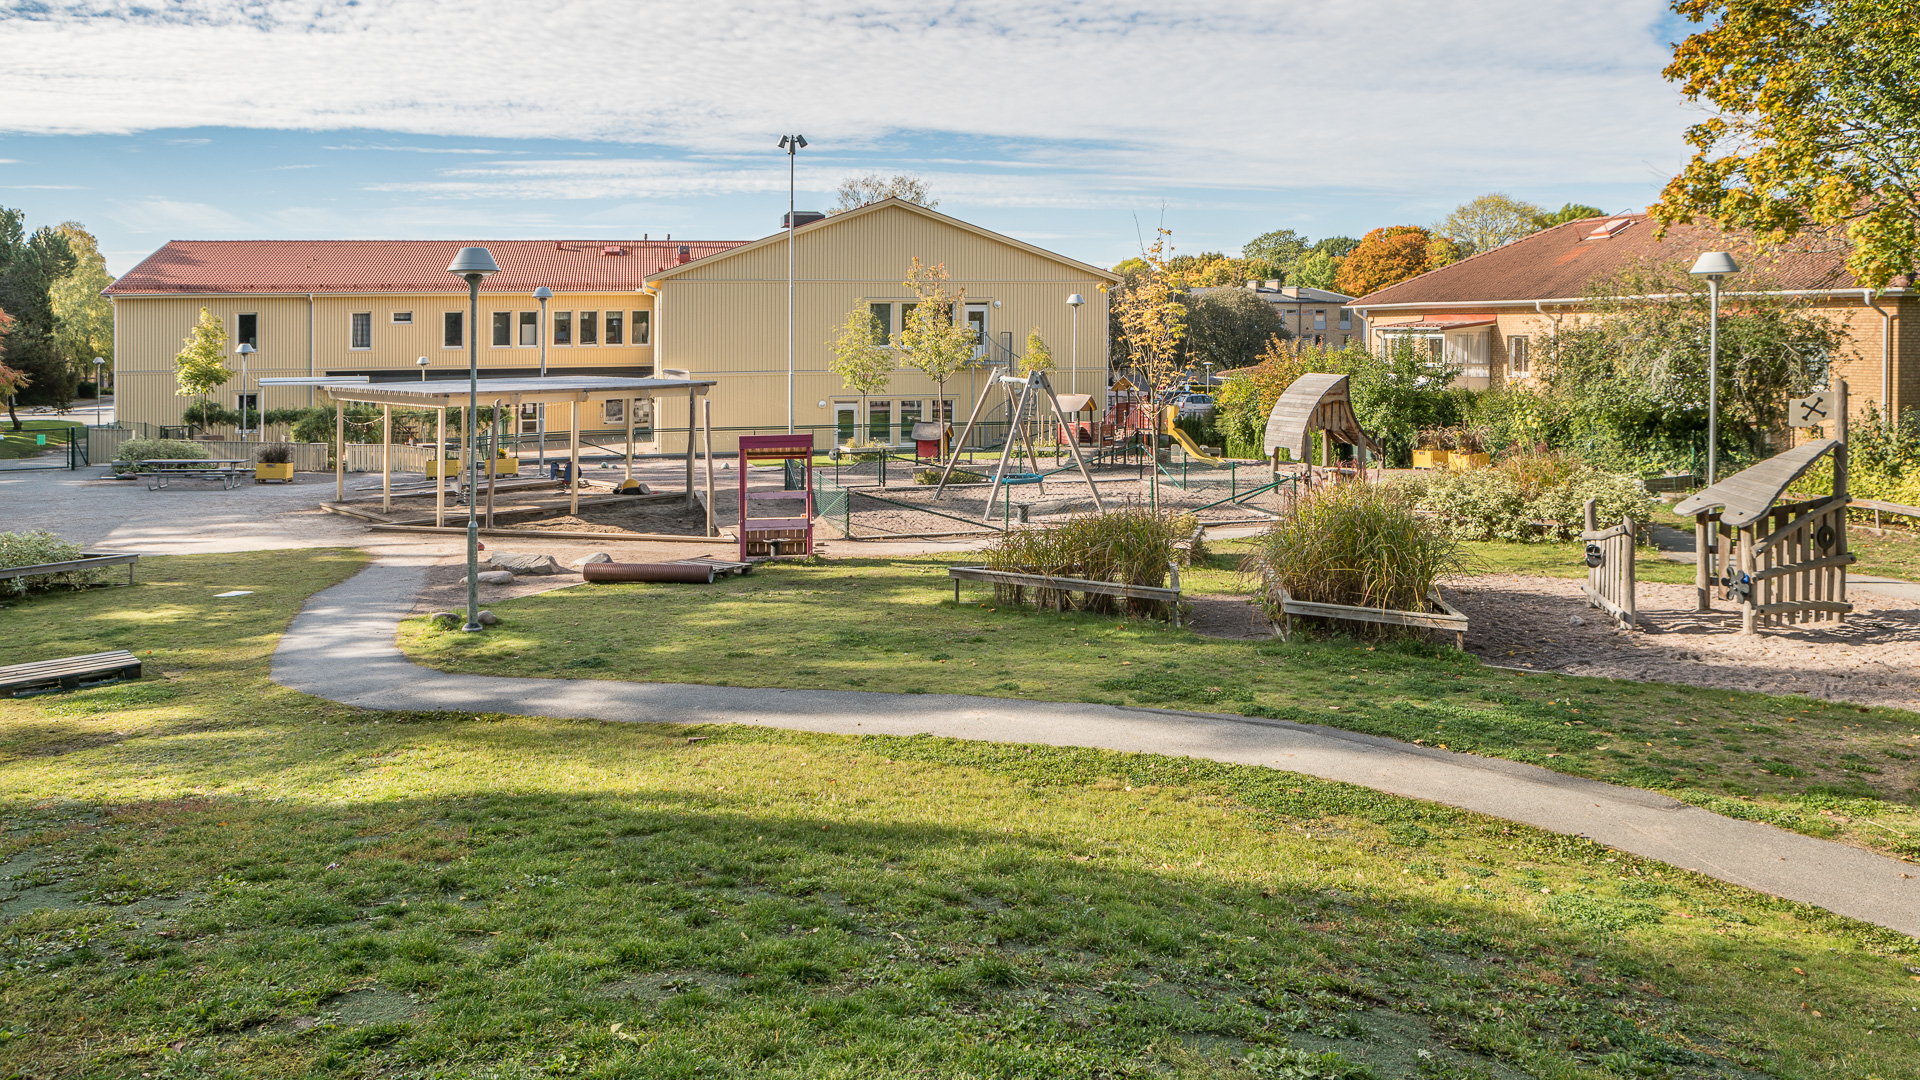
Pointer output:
x,y
402,266
1563,263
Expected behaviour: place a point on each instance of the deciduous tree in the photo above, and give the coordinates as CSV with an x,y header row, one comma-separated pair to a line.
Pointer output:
x,y
1572,211
1228,327
1151,317
932,339
1488,221
83,319
1816,125
863,364
1384,257
1315,270
12,380
200,367
857,191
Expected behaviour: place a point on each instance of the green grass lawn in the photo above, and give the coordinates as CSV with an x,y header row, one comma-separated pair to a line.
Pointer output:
x,y
890,624
208,875
20,444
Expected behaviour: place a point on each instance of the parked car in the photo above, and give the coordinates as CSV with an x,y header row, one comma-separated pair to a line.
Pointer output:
x,y
1196,405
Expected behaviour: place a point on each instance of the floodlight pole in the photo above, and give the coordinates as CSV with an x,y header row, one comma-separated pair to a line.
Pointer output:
x,y
791,144
1073,372
473,264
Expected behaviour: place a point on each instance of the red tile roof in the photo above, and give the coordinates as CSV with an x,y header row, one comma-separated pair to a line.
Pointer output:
x,y
185,267
1563,262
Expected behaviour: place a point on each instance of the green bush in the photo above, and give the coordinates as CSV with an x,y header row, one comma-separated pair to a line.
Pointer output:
x,y
274,454
1357,544
1134,546
1528,498
134,451
36,548
206,414
959,476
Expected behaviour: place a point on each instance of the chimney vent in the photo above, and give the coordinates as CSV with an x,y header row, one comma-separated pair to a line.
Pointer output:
x,y
685,255
613,249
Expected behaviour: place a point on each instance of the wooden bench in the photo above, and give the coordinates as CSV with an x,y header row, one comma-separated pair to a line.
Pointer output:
x,y
1170,597
84,562
68,673
228,471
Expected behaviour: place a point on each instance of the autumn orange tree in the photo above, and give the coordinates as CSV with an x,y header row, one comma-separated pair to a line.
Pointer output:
x,y
1151,315
1815,125
1385,257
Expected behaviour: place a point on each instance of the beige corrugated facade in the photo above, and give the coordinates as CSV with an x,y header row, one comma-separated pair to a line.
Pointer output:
x,y
722,317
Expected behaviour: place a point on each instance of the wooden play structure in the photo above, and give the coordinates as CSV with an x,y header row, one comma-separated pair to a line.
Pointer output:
x,y
1032,386
1316,402
1609,558
772,537
1796,570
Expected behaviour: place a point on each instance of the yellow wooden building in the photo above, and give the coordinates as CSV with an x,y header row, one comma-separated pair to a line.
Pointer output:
x,y
711,309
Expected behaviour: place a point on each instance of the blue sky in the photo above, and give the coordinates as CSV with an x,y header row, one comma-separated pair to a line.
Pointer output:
x,y
1069,125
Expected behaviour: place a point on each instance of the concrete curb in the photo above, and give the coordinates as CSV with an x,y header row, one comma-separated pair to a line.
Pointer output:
x,y
341,647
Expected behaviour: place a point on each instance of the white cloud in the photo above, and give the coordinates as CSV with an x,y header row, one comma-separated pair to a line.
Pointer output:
x,y
177,219
1390,94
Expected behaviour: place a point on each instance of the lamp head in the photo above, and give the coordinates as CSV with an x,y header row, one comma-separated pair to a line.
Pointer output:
x,y
99,359
473,263
1076,300
245,349
790,143
543,293
1715,264
423,361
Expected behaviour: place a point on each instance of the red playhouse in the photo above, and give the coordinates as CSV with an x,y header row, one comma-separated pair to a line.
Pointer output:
x,y
772,537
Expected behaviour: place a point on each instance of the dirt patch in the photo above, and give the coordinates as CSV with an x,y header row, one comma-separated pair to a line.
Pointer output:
x,y
1232,618
672,516
1873,658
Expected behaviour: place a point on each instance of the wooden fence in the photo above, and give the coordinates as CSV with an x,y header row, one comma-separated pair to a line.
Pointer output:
x,y
104,442
1798,572
1610,557
365,457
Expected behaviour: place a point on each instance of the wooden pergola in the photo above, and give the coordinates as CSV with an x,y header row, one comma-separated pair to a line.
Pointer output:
x,y
440,395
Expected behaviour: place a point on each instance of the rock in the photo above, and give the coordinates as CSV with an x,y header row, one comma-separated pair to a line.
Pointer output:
x,y
525,564
493,577
444,620
488,618
1575,620
596,557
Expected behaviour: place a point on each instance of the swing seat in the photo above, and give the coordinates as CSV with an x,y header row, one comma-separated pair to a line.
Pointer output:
x,y
1013,479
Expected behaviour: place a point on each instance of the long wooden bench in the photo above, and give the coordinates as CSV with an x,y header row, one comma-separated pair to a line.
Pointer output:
x,y
1170,597
68,673
84,562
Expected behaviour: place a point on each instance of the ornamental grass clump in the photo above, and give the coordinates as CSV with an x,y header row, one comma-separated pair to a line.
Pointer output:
x,y
1529,498
1355,544
1133,546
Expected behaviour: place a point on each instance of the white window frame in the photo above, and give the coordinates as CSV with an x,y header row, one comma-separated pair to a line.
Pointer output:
x,y
640,330
520,334
607,320
354,320
1346,318
494,324
580,326
1524,354
464,329
554,321
403,318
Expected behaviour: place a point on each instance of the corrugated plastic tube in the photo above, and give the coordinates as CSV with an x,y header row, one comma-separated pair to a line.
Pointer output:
x,y
690,573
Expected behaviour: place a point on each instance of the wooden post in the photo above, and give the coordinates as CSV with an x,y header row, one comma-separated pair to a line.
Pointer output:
x,y
1703,537
1173,574
1748,620
573,500
493,457
1592,518
706,427
440,472
1626,576
386,459
692,418
339,450
631,402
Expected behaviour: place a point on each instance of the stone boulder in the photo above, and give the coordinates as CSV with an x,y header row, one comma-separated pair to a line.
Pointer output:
x,y
525,564
596,557
493,577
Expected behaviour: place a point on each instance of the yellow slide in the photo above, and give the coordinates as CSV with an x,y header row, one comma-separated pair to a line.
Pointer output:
x,y
1168,427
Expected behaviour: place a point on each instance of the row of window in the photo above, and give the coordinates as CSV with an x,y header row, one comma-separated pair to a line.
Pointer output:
x,y
883,420
1320,318
887,332
569,328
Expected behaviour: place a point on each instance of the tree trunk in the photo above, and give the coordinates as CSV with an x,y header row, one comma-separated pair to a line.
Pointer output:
x,y
14,416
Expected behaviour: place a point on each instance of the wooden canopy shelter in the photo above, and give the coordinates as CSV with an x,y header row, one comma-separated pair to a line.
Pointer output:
x,y
439,395
1796,570
1315,402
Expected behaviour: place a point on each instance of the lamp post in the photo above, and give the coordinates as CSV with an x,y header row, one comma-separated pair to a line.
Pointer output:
x,y
1073,372
1714,266
542,294
99,386
791,144
473,265
245,350
422,364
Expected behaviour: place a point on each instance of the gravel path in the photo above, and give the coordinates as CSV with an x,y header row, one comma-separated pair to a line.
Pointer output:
x,y
341,647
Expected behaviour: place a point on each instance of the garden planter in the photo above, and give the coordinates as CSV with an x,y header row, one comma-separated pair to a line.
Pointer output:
x,y
1440,615
1429,459
270,470
1460,462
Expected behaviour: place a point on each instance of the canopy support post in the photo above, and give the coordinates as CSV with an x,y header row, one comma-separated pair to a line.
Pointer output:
x,y
631,403
386,459
692,422
573,474
339,450
706,426
440,471
493,457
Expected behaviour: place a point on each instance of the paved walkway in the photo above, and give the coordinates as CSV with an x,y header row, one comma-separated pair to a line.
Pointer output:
x,y
341,647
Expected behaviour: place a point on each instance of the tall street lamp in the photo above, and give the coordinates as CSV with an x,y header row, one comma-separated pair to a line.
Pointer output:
x,y
791,144
1714,266
1073,372
245,350
542,294
473,265
99,385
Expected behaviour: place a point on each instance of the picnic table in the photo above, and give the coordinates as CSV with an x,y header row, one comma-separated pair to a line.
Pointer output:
x,y
228,471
